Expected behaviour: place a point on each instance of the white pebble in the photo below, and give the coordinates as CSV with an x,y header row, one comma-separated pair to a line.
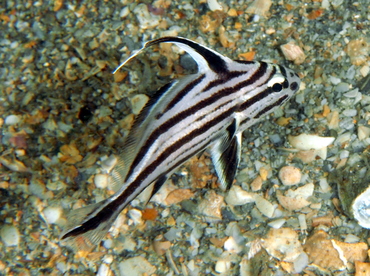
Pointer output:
x,y
138,102
146,19
302,222
135,215
136,266
325,188
349,112
264,206
104,270
237,196
222,266
350,238
214,5
101,180
10,235
124,12
231,245
300,263
12,120
52,214
334,80
304,191
290,175
277,223
108,163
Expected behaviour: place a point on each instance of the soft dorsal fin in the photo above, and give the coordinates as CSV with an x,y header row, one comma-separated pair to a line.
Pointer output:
x,y
225,155
206,58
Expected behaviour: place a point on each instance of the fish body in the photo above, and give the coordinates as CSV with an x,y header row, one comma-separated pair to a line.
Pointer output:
x,y
206,110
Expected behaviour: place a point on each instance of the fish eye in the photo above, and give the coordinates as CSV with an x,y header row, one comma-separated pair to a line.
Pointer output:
x,y
277,87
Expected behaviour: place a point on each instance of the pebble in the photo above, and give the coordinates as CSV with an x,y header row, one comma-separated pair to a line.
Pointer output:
x,y
305,191
146,20
101,180
222,266
256,184
232,246
342,87
363,132
283,244
104,270
12,120
237,196
178,195
259,7
301,262
138,102
10,235
124,12
161,247
52,214
290,175
214,5
277,223
291,203
136,266
211,205
293,52
264,206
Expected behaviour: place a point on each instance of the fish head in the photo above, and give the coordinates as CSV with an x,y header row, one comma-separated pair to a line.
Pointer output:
x,y
284,83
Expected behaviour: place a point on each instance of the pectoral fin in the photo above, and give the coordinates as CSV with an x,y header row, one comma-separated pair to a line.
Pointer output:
x,y
226,156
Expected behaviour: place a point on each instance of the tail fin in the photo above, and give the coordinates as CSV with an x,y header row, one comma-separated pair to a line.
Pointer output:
x,y
87,226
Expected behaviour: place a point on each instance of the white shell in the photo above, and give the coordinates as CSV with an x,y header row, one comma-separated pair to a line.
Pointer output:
x,y
308,141
214,5
237,196
361,209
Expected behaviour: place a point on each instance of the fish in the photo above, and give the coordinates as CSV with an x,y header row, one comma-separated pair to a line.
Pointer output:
x,y
207,110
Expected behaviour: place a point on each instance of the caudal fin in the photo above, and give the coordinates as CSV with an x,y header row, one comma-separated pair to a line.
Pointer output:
x,y
87,226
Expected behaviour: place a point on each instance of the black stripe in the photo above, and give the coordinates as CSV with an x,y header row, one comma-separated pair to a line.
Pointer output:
x,y
222,79
271,106
215,62
259,96
260,72
283,71
244,61
90,224
183,92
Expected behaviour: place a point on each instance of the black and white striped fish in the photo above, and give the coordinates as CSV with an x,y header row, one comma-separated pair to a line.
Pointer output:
x,y
209,109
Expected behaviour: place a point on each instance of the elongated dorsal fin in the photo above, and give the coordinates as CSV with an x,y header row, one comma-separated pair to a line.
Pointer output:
x,y
206,58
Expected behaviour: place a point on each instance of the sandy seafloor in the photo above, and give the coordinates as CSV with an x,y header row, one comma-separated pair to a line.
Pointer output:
x,y
62,113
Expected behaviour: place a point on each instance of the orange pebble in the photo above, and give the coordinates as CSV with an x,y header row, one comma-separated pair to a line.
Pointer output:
x,y
315,14
149,214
